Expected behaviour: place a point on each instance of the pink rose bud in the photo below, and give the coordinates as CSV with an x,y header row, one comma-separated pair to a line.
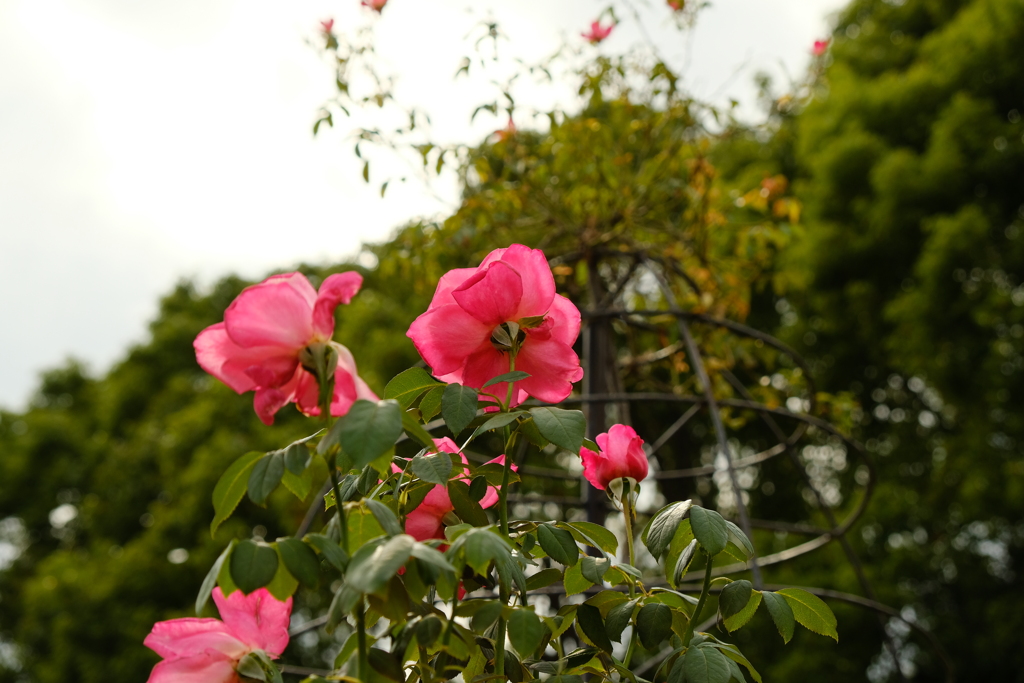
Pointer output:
x,y
621,455
820,47
479,316
597,32
375,5
327,26
208,650
427,520
677,5
271,334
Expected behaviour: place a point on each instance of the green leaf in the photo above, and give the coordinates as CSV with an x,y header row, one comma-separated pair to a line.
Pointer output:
x,y
430,404
458,407
558,544
741,617
498,421
408,385
283,585
654,624
528,428
296,457
709,529
486,615
415,430
344,600
781,613
574,580
659,531
432,556
436,469
543,578
740,540
706,665
478,488
368,431
683,562
331,551
594,568
385,517
250,667
231,487
596,534
734,597
386,665
466,508
811,612
369,572
211,580
563,428
513,376
362,526
733,653
619,618
265,476
588,619
525,631
253,565
300,560
301,485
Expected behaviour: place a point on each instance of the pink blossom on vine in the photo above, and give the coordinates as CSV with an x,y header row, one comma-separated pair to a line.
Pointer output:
x,y
208,650
375,5
820,47
506,307
621,455
597,32
327,26
677,5
269,329
426,521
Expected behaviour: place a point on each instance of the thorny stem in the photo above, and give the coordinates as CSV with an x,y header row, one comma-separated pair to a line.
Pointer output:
x,y
364,659
700,602
499,641
627,514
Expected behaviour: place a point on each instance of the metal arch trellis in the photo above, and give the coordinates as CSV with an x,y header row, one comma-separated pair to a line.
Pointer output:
x,y
598,363
602,387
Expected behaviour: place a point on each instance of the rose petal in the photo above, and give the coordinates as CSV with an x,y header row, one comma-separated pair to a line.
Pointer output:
x,y
484,365
564,318
533,268
277,312
259,619
448,283
232,364
446,336
206,667
553,367
492,295
491,496
267,402
338,288
593,466
185,637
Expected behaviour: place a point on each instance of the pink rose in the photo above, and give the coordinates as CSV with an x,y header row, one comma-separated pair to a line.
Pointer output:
x,y
327,26
621,455
270,330
820,47
597,32
427,520
507,305
208,650
375,5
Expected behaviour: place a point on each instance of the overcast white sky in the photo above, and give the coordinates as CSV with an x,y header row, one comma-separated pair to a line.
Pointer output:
x,y
145,141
